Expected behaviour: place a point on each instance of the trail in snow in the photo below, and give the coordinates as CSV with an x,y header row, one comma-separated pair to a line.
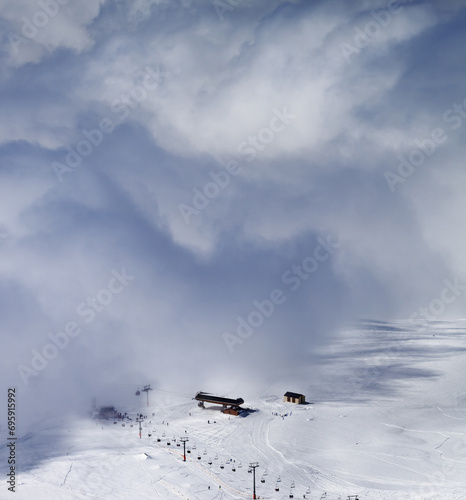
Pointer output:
x,y
393,437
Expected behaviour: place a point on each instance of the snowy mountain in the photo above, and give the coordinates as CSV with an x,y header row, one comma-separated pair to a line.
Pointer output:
x,y
385,419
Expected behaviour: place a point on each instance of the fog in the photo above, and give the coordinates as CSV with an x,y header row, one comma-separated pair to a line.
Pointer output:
x,y
198,197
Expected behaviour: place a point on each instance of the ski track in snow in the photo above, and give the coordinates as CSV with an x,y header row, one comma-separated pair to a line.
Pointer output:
x,y
71,466
401,445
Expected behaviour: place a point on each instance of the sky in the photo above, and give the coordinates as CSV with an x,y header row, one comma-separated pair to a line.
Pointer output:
x,y
199,194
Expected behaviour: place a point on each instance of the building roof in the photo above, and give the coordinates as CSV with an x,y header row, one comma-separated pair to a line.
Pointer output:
x,y
293,395
209,398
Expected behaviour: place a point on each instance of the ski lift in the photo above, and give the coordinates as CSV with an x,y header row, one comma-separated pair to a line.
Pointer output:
x,y
239,465
204,452
233,470
138,392
210,462
262,480
277,488
291,495
278,479
199,457
292,484
249,470
265,472
222,466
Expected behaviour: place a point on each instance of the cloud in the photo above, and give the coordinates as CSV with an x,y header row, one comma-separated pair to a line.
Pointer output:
x,y
313,130
36,29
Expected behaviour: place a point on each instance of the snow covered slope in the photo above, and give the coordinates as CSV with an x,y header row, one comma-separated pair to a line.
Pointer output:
x,y
386,419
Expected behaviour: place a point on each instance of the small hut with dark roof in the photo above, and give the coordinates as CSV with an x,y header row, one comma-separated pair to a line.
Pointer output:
x,y
294,397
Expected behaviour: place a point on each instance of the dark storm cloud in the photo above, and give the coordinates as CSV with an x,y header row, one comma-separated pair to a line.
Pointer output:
x,y
353,97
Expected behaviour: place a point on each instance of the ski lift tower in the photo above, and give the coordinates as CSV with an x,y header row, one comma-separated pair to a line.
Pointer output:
x,y
146,389
252,467
184,440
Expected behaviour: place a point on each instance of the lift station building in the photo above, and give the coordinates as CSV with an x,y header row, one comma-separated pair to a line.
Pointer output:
x,y
229,406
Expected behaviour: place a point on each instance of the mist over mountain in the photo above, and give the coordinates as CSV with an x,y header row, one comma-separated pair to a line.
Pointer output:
x,y
199,194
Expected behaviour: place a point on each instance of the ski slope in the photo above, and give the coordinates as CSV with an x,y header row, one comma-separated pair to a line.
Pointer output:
x,y
386,421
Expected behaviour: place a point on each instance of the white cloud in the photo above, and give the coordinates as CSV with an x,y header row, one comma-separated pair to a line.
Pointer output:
x,y
39,28
323,173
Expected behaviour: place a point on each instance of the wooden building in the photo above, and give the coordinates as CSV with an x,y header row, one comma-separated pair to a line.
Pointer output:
x,y
107,412
294,397
229,406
